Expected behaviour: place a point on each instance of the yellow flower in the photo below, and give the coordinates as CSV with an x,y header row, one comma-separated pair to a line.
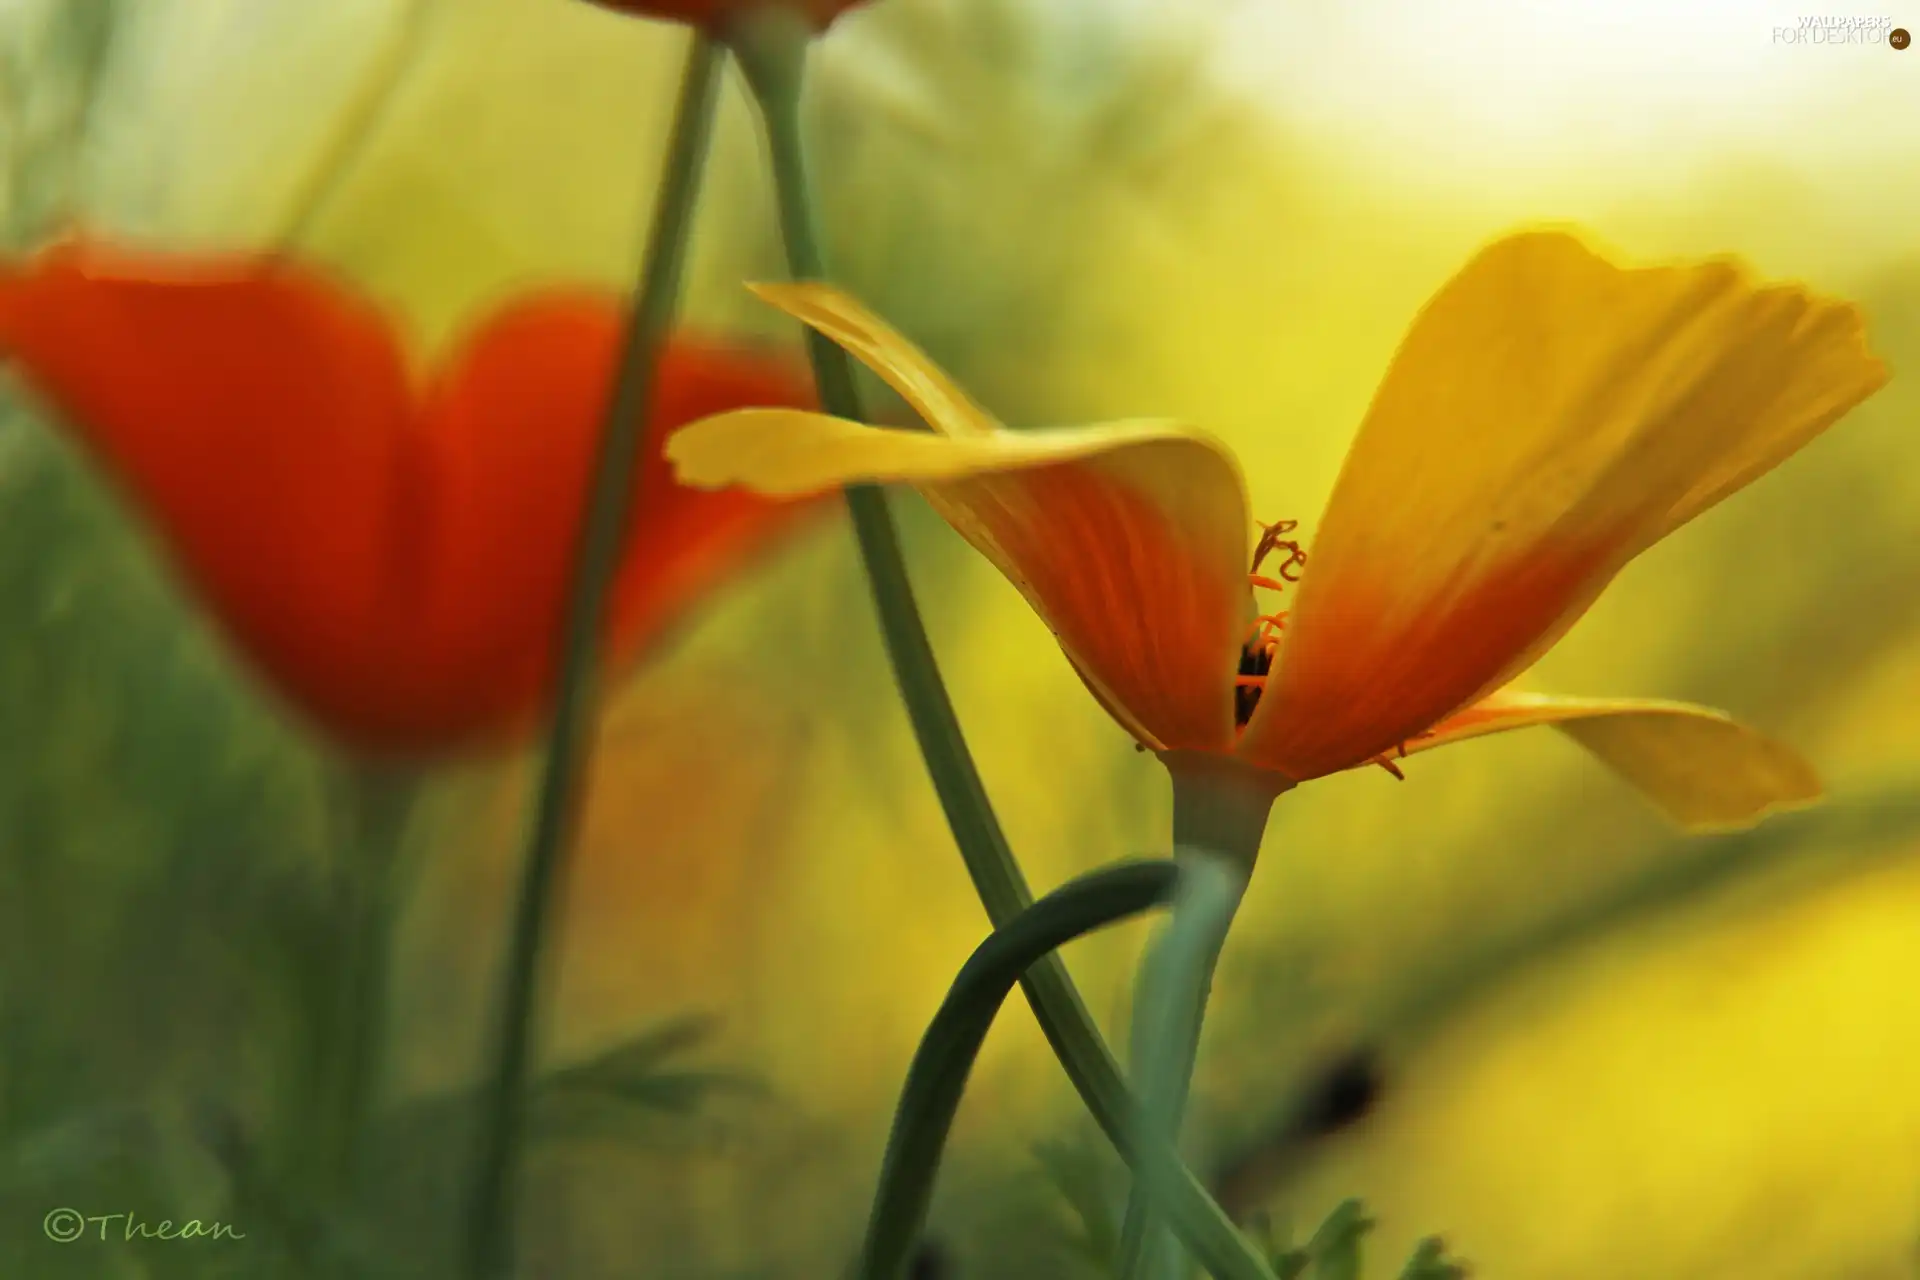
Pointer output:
x,y
1548,417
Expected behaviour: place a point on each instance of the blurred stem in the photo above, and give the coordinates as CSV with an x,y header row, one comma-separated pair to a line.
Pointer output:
x,y
354,127
45,173
380,805
609,507
1170,1003
771,44
938,1076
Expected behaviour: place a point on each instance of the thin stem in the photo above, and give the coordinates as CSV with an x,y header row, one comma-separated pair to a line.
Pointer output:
x,y
1170,1006
938,1076
352,130
771,51
381,805
609,507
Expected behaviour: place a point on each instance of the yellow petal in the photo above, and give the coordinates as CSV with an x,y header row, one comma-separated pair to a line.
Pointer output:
x,y
904,367
1548,416
1129,539
1836,372
1702,767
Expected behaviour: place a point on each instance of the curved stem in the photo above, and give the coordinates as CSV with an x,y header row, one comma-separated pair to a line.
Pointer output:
x,y
952,1041
353,129
1170,1006
609,506
771,48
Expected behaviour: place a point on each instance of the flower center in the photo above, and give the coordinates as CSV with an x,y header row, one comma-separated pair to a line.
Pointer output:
x,y
1257,654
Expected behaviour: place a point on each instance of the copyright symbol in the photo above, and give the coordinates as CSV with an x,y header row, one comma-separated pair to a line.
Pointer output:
x,y
63,1226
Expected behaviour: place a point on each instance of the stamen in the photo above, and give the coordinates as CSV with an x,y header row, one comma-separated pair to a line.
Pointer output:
x,y
1273,538
1257,653
1386,762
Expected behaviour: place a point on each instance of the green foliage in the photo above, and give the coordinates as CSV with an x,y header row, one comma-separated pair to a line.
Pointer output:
x,y
1333,1252
637,1077
1430,1262
1087,1175
1089,1182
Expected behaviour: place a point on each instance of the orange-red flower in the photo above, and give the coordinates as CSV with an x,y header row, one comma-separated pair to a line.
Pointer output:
x,y
392,556
1548,417
713,14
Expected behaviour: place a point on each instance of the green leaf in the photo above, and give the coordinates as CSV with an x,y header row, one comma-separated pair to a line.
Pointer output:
x,y
1085,1173
1287,1261
622,1094
1430,1262
636,1072
1336,1245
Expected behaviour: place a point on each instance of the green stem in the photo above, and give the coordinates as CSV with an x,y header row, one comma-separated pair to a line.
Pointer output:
x,y
938,1076
380,806
1170,1006
609,506
771,47
1220,810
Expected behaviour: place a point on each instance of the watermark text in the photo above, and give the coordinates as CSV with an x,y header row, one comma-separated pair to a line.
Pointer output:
x,y
1836,29
65,1226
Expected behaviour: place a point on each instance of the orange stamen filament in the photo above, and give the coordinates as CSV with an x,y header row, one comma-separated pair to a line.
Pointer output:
x,y
1386,762
1386,759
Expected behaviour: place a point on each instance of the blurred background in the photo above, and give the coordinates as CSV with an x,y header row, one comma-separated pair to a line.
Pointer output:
x,y
1501,1000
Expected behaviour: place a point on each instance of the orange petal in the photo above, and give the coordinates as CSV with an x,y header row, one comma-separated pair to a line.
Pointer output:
x,y
1548,416
512,432
1129,539
1702,767
397,578
257,419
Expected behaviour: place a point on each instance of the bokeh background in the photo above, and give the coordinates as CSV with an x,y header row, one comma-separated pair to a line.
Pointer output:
x,y
1595,1048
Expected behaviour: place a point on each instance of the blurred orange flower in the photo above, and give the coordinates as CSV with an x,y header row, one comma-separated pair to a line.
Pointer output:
x,y
1548,417
393,558
713,13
